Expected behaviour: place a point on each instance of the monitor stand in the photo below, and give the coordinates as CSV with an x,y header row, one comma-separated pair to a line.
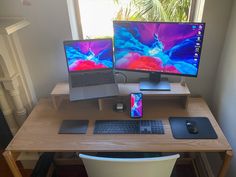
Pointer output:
x,y
154,83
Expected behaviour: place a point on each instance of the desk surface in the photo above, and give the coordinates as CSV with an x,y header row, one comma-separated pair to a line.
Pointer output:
x,y
40,130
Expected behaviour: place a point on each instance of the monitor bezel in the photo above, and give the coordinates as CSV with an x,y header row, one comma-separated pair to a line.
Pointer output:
x,y
88,40
159,72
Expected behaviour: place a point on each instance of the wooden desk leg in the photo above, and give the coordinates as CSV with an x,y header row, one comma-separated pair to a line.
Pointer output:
x,y
100,104
54,102
185,100
226,164
11,161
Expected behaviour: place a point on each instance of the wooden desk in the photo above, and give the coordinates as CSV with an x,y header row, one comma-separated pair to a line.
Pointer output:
x,y
39,132
61,92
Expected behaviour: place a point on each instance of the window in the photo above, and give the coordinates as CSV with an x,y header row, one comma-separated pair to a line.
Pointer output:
x,y
97,15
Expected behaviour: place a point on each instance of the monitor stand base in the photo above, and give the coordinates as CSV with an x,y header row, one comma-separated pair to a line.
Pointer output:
x,y
147,85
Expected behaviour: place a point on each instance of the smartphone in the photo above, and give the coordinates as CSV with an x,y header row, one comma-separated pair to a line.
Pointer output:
x,y
136,105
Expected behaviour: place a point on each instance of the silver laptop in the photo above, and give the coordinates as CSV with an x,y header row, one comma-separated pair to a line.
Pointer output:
x,y
90,67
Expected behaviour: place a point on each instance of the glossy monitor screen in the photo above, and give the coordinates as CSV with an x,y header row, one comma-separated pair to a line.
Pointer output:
x,y
169,48
85,55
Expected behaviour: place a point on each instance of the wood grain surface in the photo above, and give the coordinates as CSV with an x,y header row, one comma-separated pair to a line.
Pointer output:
x,y
61,92
125,89
40,130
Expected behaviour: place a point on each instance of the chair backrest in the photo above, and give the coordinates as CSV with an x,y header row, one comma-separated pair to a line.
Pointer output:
x,y
129,167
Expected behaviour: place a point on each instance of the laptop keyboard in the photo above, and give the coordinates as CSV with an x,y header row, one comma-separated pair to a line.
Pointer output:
x,y
92,78
129,127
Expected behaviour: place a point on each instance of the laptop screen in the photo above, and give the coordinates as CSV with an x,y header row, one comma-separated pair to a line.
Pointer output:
x,y
86,55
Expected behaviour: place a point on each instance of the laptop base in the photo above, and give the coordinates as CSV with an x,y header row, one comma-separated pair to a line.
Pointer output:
x,y
91,92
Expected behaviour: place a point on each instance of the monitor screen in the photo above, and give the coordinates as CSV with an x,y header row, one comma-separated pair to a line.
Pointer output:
x,y
169,48
84,55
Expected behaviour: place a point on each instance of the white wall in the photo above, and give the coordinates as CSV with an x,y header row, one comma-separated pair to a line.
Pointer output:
x,y
42,42
216,15
224,99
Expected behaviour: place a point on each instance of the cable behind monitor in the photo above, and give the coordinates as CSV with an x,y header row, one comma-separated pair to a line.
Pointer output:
x,y
122,74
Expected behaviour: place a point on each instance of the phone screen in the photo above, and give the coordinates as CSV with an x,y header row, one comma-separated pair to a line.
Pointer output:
x,y
136,105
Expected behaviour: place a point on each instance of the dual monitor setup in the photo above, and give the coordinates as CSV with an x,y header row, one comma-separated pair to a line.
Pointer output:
x,y
153,47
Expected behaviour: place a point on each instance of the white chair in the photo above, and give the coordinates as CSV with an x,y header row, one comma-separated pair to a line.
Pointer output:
x,y
129,167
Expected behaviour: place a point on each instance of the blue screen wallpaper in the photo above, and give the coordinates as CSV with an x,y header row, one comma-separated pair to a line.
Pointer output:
x,y
89,54
172,48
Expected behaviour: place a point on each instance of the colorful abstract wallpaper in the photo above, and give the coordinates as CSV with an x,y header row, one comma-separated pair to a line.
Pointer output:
x,y
136,105
89,54
172,48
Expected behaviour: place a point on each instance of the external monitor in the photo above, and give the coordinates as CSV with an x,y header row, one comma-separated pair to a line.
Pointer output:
x,y
158,48
86,55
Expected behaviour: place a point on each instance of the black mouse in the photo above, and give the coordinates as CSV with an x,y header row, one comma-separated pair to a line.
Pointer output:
x,y
191,126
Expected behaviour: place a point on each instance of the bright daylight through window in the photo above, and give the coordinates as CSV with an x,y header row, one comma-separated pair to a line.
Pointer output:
x,y
97,15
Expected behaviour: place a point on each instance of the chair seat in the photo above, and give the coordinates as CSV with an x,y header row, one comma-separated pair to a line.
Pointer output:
x,y
129,167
